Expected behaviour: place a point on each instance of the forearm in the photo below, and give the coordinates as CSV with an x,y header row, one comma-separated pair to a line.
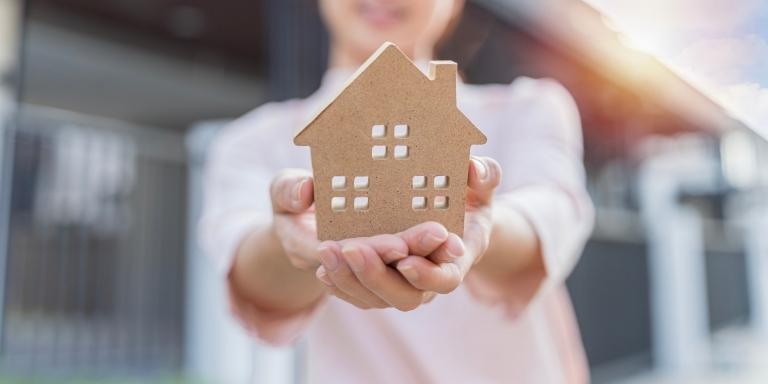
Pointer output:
x,y
513,250
263,275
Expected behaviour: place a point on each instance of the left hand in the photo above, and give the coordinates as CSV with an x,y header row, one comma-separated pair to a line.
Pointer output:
x,y
443,271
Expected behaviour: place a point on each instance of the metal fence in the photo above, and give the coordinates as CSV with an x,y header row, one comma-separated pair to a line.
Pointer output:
x,y
94,281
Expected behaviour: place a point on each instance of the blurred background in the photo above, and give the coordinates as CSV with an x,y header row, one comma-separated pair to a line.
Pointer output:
x,y
107,108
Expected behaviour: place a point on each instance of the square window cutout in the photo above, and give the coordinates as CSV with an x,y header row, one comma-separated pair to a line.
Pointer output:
x,y
361,203
338,203
401,131
378,131
419,182
441,182
441,202
401,151
339,182
361,182
419,202
379,152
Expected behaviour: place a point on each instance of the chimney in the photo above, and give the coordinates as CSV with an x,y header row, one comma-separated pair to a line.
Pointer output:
x,y
443,75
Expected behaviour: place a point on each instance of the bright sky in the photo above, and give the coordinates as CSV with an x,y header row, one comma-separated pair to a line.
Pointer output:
x,y
719,45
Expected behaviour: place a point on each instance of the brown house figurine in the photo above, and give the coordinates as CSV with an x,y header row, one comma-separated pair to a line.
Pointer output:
x,y
391,150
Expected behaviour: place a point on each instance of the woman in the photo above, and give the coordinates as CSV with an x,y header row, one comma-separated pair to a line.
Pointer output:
x,y
423,305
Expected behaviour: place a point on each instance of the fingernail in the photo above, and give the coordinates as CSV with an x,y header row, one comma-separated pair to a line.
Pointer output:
x,y
430,240
354,258
323,276
296,193
395,255
480,168
408,272
454,249
329,259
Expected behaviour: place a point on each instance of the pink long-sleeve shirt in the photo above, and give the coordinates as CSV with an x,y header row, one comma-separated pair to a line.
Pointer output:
x,y
524,332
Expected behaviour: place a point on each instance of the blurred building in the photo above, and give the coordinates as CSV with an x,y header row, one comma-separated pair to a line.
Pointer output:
x,y
102,277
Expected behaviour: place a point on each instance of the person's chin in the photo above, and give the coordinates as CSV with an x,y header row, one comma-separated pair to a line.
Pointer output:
x,y
381,19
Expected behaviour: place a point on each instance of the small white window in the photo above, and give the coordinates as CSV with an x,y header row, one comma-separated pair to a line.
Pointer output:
x,y
361,203
419,182
339,182
339,203
379,152
441,202
419,202
401,152
441,182
361,182
401,131
378,131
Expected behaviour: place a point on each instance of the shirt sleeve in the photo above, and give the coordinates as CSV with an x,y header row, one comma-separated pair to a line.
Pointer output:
x,y
544,180
236,201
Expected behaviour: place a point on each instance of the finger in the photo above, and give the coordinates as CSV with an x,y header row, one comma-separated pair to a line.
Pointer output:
x,y
384,282
341,275
390,248
423,239
429,296
428,276
450,250
292,191
484,177
323,277
349,299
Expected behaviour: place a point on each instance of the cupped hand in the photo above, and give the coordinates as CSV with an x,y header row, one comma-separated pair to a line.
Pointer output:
x,y
407,269
402,270
357,270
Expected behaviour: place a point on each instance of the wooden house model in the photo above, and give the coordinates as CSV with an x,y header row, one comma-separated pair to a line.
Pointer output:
x,y
391,150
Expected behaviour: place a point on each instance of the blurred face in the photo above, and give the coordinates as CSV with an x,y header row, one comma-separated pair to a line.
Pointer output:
x,y
360,26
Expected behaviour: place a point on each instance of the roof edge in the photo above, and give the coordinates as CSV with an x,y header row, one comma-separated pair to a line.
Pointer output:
x,y
383,48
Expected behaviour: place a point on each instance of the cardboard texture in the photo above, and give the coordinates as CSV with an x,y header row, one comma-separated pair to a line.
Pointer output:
x,y
391,150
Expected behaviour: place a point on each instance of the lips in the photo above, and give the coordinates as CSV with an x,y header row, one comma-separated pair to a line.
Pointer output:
x,y
380,14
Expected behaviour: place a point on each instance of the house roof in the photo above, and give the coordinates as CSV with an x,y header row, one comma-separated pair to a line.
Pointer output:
x,y
391,50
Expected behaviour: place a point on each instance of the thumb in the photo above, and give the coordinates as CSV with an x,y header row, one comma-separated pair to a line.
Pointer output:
x,y
292,191
484,177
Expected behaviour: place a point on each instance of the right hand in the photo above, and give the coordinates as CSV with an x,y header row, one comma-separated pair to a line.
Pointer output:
x,y
361,271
